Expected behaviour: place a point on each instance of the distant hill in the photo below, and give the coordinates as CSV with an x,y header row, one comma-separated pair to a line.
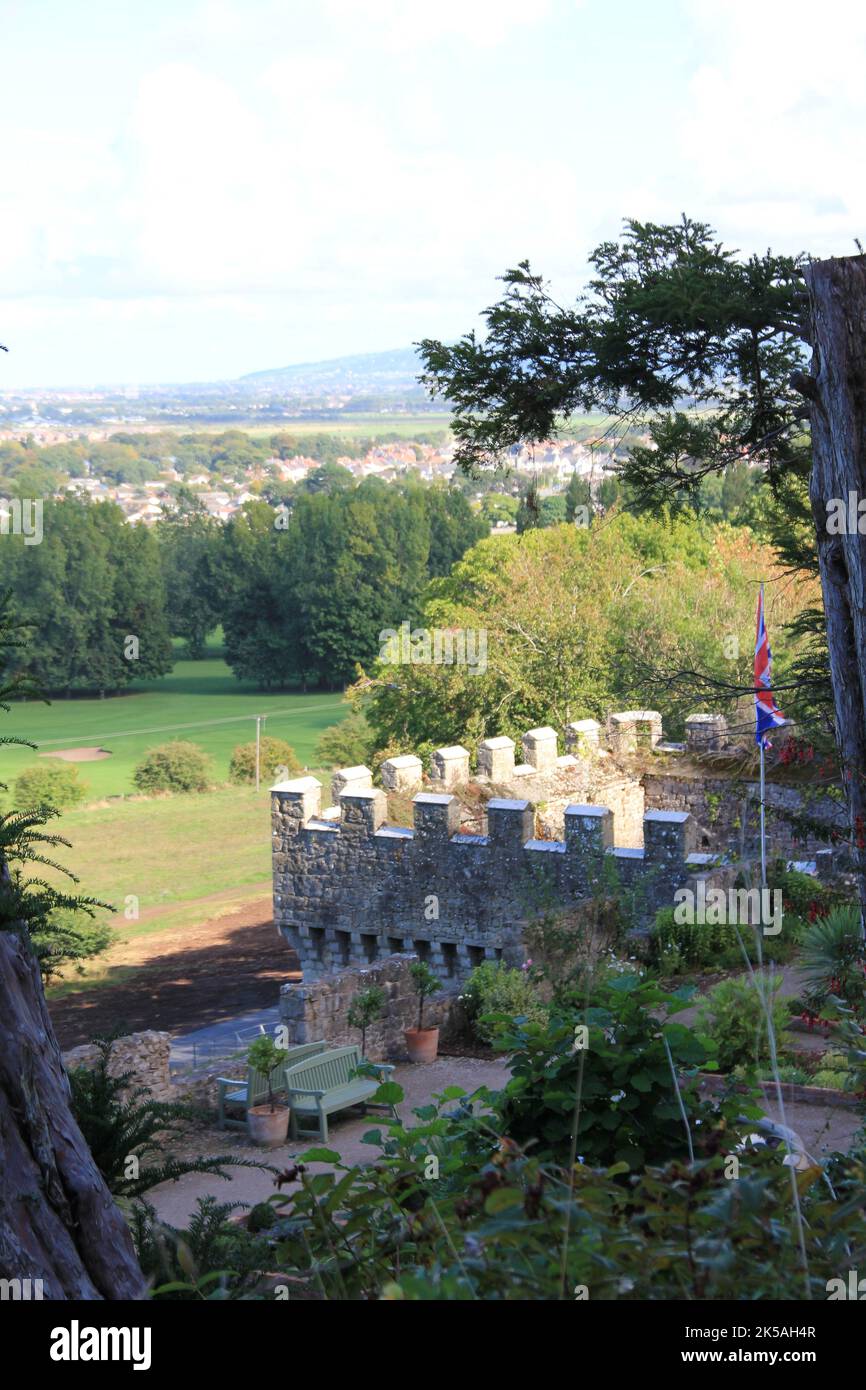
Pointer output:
x,y
379,372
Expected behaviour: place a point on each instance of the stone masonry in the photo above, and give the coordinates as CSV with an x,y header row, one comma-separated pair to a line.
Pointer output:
x,y
350,890
317,1010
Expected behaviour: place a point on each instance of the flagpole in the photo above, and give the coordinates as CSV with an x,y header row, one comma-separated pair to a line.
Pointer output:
x,y
763,832
763,822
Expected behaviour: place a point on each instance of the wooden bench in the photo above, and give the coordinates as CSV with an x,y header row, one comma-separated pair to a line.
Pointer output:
x,y
254,1091
321,1085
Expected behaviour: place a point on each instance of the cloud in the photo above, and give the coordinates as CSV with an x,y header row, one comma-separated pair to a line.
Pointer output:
x,y
773,122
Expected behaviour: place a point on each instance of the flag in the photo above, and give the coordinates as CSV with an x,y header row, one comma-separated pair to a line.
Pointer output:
x,y
767,716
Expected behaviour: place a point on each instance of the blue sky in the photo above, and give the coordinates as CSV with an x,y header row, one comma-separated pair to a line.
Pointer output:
x,y
193,189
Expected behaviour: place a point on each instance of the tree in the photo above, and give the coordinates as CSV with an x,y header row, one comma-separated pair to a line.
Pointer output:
x,y
708,351
573,618
188,540
93,589
577,494
58,1222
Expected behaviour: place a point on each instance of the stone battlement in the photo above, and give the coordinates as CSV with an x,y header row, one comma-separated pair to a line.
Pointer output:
x,y
353,891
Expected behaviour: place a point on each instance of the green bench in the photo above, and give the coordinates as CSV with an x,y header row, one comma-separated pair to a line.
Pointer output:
x,y
319,1086
254,1091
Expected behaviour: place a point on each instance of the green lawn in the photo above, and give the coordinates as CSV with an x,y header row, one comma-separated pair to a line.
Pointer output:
x,y
200,701
169,850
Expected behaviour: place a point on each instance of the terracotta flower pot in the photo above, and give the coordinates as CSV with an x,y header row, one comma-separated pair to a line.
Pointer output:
x,y
422,1044
268,1128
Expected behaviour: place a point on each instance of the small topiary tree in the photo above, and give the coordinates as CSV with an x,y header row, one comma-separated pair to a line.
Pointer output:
x,y
53,783
274,753
426,983
364,1009
263,1055
174,767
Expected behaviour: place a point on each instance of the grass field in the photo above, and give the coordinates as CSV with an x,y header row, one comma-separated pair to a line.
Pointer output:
x,y
200,701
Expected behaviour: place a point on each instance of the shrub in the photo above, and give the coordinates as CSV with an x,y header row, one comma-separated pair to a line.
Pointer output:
x,y
351,743
495,989
54,783
611,1062
802,895
679,945
174,767
833,955
119,1122
212,1258
68,937
733,1016
834,1072
274,753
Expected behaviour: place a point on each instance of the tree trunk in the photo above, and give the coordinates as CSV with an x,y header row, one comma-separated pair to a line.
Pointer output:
x,y
58,1221
837,304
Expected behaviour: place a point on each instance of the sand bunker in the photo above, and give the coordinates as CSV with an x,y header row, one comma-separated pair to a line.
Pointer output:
x,y
78,755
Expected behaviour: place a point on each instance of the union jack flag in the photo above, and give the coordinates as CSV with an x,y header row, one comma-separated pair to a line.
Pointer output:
x,y
767,716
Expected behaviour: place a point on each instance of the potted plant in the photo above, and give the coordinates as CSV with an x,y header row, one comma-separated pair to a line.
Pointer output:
x,y
422,1043
364,1009
268,1124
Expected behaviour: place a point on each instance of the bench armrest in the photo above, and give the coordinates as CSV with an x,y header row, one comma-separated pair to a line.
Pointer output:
x,y
231,1081
305,1091
382,1066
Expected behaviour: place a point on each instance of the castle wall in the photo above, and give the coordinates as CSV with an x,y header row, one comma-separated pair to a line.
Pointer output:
x,y
727,813
316,1010
351,892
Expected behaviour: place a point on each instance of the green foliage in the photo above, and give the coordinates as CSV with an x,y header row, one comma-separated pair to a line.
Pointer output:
x,y
53,783
833,956
264,1056
129,1135
495,994
424,983
834,1072
614,1081
702,347
347,744
174,767
364,1009
677,946
28,903
68,937
574,615
307,594
93,582
213,1258
734,1016
274,753
189,541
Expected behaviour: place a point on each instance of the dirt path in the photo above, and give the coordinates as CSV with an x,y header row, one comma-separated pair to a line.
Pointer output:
x,y
183,978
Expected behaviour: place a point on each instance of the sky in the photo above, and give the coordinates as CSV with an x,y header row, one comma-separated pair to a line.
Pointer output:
x,y
195,189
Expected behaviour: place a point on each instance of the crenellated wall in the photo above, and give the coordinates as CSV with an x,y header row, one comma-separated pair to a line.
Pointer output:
x,y
351,890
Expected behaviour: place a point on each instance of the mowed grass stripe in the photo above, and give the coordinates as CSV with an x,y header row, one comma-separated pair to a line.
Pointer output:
x,y
199,700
